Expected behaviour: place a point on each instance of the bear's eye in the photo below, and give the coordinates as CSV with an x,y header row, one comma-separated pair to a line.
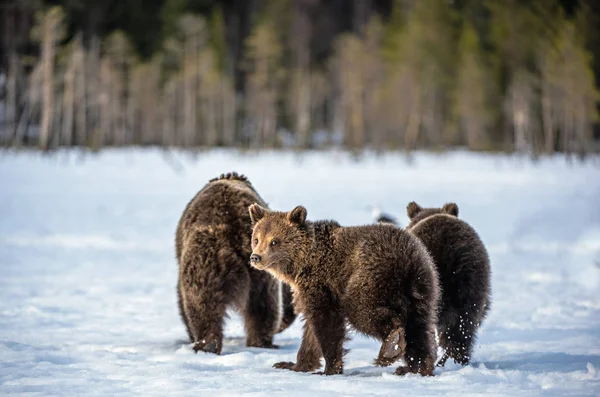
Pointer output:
x,y
274,243
255,241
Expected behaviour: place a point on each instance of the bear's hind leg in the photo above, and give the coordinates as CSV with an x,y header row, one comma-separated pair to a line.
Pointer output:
x,y
309,355
186,322
458,341
446,320
206,288
420,347
262,313
385,325
205,313
392,348
443,360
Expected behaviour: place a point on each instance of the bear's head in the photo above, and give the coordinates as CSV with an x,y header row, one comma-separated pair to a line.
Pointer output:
x,y
417,213
277,239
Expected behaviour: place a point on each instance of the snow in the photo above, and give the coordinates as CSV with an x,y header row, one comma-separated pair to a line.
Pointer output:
x,y
87,272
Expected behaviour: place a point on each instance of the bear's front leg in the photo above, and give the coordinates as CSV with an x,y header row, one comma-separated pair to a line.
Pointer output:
x,y
309,354
324,315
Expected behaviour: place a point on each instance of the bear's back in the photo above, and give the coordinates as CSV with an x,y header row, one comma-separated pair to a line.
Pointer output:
x,y
448,238
220,207
382,252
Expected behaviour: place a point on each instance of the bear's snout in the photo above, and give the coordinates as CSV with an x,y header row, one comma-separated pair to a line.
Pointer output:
x,y
254,258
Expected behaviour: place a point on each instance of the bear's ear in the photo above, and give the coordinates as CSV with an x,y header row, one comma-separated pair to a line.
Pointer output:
x,y
412,209
451,209
256,212
297,215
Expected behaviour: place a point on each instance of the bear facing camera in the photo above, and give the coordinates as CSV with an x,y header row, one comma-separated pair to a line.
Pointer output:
x,y
378,278
463,269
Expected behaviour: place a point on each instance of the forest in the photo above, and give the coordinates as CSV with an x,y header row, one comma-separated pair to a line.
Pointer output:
x,y
485,75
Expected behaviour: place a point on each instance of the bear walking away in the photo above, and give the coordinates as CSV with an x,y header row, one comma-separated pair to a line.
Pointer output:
x,y
378,278
212,246
464,276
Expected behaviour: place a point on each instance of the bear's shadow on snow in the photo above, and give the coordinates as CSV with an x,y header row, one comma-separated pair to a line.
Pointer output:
x,y
543,362
527,361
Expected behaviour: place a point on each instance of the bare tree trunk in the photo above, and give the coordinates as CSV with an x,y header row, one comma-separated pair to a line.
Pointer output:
x,y
320,90
211,133
179,112
304,100
350,52
48,56
209,92
120,54
373,76
230,108
68,100
189,101
31,104
93,88
169,121
56,126
154,98
547,121
300,97
133,104
432,119
105,115
264,59
414,120
82,98
14,73
117,104
519,106
403,98
23,124
338,116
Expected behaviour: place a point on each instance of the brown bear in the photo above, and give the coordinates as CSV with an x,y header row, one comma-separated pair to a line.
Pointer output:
x,y
377,278
463,268
212,246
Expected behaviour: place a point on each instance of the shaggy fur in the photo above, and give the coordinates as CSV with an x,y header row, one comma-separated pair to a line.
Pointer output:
x,y
212,247
464,276
378,278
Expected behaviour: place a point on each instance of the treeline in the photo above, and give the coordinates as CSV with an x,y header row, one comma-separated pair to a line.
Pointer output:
x,y
488,75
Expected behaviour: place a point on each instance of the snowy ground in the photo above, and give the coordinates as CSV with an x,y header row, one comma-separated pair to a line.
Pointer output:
x,y
87,272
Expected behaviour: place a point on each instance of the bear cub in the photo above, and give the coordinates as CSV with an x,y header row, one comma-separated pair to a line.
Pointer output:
x,y
212,246
379,279
463,268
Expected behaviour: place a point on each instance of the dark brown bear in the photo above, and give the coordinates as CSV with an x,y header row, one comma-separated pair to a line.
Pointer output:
x,y
212,246
464,276
378,278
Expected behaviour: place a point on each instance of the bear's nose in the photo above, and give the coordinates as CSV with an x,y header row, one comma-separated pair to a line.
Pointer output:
x,y
255,258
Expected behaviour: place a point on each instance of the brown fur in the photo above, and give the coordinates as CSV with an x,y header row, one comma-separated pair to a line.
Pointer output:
x,y
464,276
378,278
212,247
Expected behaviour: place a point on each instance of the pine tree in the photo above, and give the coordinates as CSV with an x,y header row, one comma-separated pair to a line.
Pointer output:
x,y
263,81
472,97
421,58
570,92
